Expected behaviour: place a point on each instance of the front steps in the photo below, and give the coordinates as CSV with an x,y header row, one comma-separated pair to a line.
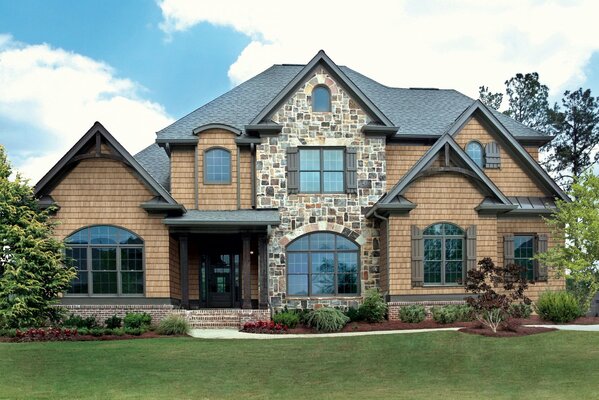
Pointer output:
x,y
223,318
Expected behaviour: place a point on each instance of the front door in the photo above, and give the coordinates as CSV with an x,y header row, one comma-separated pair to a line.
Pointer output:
x,y
222,276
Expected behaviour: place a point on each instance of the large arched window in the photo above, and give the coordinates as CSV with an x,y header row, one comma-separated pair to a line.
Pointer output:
x,y
108,260
322,264
217,166
476,153
321,99
443,254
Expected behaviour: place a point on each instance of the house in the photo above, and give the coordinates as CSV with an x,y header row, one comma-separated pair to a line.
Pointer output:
x,y
304,186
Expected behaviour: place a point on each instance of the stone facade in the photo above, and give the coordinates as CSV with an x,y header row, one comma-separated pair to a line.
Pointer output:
x,y
302,213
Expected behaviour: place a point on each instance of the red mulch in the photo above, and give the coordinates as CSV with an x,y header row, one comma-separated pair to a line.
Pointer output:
x,y
90,338
535,320
513,332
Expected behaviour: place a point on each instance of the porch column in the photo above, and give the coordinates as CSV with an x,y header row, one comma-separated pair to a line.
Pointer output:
x,y
184,270
245,272
263,271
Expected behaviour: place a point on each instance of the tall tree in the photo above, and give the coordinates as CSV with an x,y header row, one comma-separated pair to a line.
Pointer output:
x,y
32,271
490,99
528,100
576,127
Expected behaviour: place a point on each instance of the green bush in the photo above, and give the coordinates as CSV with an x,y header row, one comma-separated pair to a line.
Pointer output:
x,y
76,321
412,314
289,319
10,333
115,331
133,331
96,332
452,313
374,307
465,313
353,314
113,322
137,320
173,325
558,307
327,319
83,331
520,310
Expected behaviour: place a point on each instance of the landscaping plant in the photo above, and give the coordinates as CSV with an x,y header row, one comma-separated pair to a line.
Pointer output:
x,y
559,307
76,321
412,314
263,327
520,310
289,319
490,306
140,321
374,307
327,319
113,322
173,325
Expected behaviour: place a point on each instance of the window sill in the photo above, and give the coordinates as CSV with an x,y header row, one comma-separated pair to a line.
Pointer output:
x,y
109,296
345,297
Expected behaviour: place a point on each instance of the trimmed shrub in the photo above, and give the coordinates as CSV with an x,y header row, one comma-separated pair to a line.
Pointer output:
x,y
412,314
353,314
327,319
113,322
374,307
96,332
83,331
115,331
558,307
520,310
289,319
173,325
133,331
76,321
452,313
10,333
137,321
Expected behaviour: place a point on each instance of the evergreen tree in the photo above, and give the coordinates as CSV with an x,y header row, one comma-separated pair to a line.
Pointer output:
x,y
528,101
489,99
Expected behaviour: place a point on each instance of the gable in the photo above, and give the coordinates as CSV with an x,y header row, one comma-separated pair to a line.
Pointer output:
x,y
511,178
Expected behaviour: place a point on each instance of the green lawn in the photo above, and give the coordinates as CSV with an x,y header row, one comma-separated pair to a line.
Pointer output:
x,y
442,365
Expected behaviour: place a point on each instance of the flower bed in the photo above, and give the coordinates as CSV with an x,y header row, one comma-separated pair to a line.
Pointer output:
x,y
264,327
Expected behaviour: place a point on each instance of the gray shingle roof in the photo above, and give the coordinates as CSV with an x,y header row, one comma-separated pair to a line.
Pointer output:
x,y
154,160
414,111
233,217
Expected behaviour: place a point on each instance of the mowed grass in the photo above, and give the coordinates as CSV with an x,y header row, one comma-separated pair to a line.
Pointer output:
x,y
441,365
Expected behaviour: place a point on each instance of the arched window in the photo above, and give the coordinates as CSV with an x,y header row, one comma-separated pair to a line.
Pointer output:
x,y
217,166
476,153
323,264
321,99
108,260
443,254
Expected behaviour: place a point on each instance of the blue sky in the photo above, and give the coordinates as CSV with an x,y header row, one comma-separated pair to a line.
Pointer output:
x,y
138,65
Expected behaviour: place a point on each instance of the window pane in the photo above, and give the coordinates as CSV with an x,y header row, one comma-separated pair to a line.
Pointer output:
x,y
132,259
523,254
104,283
432,272
333,160
299,244
323,263
347,263
310,182
103,235
218,166
475,151
322,241
133,282
309,160
453,272
77,258
453,249
347,283
126,237
432,249
297,263
333,182
103,258
436,229
450,229
297,285
81,237
323,284
345,244
321,99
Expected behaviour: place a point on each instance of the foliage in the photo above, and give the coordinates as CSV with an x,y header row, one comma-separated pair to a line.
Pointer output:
x,y
137,321
578,223
289,319
520,310
76,321
412,314
327,319
173,325
113,322
354,314
9,332
576,128
558,307
32,271
116,331
374,307
452,313
96,332
492,100
133,331
528,100
263,327
491,307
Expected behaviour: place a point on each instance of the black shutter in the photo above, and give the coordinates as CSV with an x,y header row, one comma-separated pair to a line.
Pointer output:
x,y
292,170
471,248
492,155
417,257
351,170
541,247
508,249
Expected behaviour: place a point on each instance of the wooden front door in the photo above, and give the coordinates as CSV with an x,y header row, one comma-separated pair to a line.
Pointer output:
x,y
222,276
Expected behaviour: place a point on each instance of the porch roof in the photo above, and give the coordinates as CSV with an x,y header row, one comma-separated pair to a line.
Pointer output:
x,y
228,218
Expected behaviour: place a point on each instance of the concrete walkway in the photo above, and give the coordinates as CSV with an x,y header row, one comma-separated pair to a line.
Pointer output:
x,y
234,334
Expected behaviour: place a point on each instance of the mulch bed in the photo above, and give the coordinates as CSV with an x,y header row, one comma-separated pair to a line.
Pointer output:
x,y
386,326
90,338
513,332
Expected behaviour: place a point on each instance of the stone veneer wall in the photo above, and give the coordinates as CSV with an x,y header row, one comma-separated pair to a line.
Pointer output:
x,y
301,213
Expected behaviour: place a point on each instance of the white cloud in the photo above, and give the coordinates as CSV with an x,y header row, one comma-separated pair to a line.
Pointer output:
x,y
429,43
59,95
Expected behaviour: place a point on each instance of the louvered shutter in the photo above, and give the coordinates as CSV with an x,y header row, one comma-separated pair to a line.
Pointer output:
x,y
351,170
508,249
492,155
471,248
292,170
417,257
541,247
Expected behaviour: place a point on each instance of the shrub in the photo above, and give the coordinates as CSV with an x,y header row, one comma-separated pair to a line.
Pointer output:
x,y
96,332
10,333
412,314
520,310
173,325
353,314
289,319
558,307
374,307
113,322
453,313
137,320
327,319
76,321
263,327
133,331
83,331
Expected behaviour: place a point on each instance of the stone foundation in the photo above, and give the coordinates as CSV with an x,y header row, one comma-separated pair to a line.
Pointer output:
x,y
395,306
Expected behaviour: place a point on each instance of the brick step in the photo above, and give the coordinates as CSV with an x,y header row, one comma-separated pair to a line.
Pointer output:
x,y
215,318
215,325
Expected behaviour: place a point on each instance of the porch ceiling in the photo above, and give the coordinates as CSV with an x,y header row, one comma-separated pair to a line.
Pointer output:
x,y
230,219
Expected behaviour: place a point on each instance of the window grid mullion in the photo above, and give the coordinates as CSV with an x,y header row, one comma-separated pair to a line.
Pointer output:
x,y
119,289
90,275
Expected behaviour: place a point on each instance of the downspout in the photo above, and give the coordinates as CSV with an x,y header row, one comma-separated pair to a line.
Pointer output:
x,y
195,177
238,179
388,262
253,173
